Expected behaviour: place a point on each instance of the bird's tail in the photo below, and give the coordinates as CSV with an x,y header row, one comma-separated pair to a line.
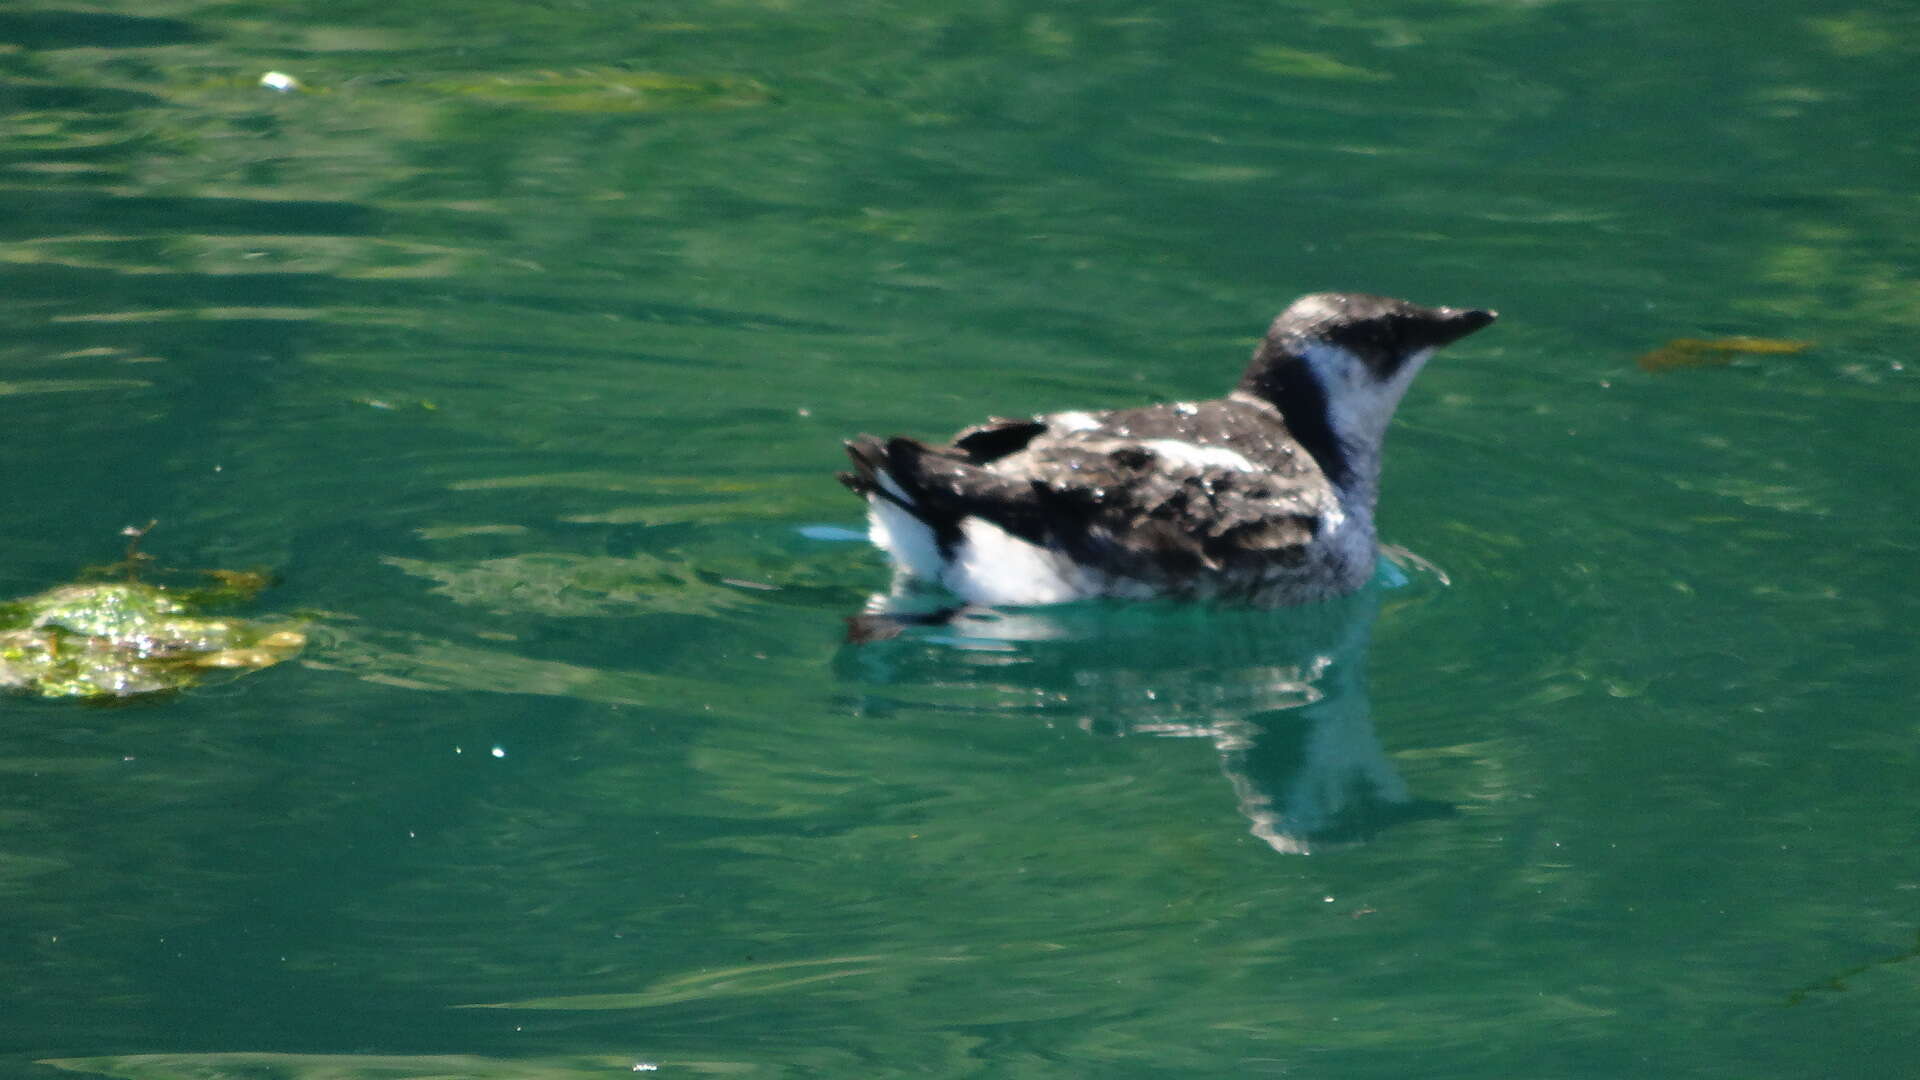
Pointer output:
x,y
869,456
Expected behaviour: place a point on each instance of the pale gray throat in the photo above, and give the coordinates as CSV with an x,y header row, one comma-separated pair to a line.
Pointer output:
x,y
1292,387
1358,415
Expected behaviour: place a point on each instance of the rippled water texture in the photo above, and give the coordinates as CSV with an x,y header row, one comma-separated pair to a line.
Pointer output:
x,y
516,344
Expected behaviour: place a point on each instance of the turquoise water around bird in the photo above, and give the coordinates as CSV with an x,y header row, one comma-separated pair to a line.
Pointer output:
x,y
517,343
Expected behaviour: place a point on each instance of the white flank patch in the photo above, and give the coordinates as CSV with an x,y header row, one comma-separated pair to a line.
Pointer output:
x,y
1196,456
1073,421
905,537
994,567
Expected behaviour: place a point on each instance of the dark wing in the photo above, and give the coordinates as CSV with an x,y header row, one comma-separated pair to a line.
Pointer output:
x,y
1126,505
997,438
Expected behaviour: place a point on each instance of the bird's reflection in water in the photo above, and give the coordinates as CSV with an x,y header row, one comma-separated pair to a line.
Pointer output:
x,y
1281,695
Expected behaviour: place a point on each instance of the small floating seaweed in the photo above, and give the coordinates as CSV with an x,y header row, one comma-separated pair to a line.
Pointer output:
x,y
121,639
1704,352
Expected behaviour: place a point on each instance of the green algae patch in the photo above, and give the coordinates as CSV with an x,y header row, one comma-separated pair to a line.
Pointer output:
x,y
606,91
126,639
1695,352
242,1065
1301,64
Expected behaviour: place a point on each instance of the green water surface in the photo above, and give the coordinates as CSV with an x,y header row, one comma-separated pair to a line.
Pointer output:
x,y
518,344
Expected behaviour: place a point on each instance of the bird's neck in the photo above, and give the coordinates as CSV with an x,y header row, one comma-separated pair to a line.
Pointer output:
x,y
1348,458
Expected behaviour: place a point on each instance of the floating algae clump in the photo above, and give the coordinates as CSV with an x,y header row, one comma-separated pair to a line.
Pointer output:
x,y
1695,352
123,639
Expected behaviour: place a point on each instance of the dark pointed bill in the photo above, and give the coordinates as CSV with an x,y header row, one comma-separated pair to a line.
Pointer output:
x,y
1449,325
